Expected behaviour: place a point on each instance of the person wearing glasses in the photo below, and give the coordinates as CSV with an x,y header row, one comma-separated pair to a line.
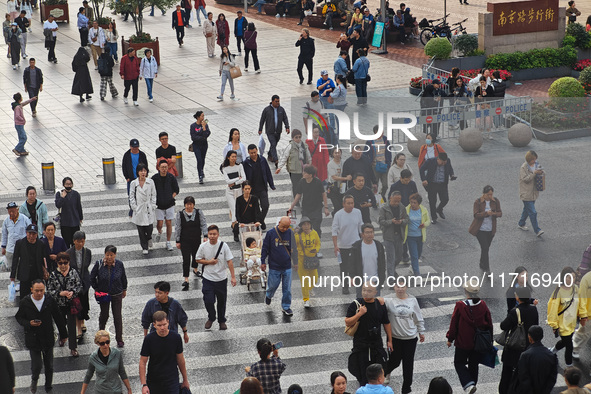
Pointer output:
x,y
107,362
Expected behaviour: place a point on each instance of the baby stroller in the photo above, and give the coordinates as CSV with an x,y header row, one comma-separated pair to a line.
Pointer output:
x,y
254,273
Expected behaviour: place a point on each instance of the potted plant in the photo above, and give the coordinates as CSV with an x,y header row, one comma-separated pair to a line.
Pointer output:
x,y
57,8
415,86
141,40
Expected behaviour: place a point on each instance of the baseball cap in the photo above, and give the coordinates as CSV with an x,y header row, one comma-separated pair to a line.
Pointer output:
x,y
134,143
323,72
11,204
436,82
32,228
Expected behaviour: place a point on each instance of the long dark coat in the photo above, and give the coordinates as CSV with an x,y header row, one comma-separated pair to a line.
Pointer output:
x,y
82,82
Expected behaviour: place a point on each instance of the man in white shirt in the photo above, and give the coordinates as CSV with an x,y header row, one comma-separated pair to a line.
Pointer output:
x,y
216,257
369,259
96,39
50,32
346,226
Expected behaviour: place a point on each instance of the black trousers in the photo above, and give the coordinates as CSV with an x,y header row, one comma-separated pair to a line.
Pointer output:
x,y
239,42
115,304
212,292
83,37
273,141
567,343
506,378
33,92
403,351
68,234
466,365
71,323
264,201
180,33
50,45
40,359
145,234
295,179
255,58
189,252
484,239
308,64
434,190
346,265
130,83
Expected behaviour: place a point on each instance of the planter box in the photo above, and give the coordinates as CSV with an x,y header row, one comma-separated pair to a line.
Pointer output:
x,y
140,47
463,63
549,136
540,73
575,74
60,12
414,91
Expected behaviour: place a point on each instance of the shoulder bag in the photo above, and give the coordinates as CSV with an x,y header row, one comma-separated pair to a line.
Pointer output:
x,y
515,339
482,338
235,71
351,330
280,239
310,263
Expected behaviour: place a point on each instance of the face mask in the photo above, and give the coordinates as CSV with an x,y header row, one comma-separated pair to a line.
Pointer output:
x,y
428,142
68,188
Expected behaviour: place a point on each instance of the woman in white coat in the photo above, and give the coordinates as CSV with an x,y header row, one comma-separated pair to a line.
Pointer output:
x,y
237,146
149,71
142,199
235,176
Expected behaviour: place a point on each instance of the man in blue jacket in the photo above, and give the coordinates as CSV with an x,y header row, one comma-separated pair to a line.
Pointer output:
x,y
259,176
279,247
162,302
435,174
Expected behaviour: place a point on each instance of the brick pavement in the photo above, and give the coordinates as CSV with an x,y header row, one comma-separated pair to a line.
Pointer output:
x,y
533,88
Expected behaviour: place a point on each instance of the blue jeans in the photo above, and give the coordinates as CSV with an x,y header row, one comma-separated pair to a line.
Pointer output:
x,y
113,46
152,11
200,152
259,4
149,84
226,76
529,209
275,278
415,247
202,10
22,137
361,90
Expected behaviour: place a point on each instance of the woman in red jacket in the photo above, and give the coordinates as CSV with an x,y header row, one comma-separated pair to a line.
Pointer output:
x,y
223,31
468,315
318,150
429,150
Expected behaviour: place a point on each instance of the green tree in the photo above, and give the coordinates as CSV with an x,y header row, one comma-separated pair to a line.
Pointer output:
x,y
135,8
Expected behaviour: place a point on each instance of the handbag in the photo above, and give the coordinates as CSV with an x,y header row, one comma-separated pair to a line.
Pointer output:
x,y
482,338
351,330
75,306
540,182
235,72
491,358
310,263
307,12
514,339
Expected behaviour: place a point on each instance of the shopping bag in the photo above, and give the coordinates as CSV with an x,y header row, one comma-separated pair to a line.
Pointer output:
x,y
541,182
235,72
11,292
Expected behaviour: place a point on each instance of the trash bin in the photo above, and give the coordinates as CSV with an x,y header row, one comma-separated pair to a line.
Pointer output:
x,y
109,171
179,164
48,176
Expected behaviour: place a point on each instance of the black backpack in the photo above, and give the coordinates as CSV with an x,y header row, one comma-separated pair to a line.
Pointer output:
x,y
103,66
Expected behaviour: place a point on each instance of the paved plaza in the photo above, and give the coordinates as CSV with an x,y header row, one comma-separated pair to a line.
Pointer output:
x,y
77,136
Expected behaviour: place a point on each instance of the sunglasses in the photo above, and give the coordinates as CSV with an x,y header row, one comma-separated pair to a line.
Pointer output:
x,y
104,343
63,263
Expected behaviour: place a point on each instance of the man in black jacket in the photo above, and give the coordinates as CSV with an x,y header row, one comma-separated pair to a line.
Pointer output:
x,y
537,366
240,25
431,101
33,81
29,260
369,258
357,42
167,189
272,118
358,163
307,52
36,313
179,21
131,159
435,174
500,87
259,176
7,374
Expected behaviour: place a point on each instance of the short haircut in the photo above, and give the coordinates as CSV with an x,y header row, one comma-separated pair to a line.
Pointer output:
x,y
62,256
252,147
536,333
78,235
358,174
36,281
497,74
274,97
111,248
162,161
250,240
310,170
29,188
31,59
141,166
487,188
573,375
416,197
373,372
443,156
45,225
159,316
344,53
348,196
213,227
395,193
67,179
162,286
162,134
530,155
366,226
571,2
314,93
189,200
295,133
405,173
101,334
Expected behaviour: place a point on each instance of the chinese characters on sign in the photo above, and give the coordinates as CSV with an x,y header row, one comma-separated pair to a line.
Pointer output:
x,y
524,16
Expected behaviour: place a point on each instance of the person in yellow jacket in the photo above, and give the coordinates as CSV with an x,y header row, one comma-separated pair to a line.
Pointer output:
x,y
564,307
415,234
308,243
583,333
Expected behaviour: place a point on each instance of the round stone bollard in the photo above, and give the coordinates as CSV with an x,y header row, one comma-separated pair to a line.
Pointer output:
x,y
414,147
519,135
470,139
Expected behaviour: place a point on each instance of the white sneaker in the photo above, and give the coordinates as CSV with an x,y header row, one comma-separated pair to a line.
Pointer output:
x,y
145,251
524,228
258,71
14,67
246,69
284,15
135,103
278,16
221,98
150,244
576,355
151,100
125,100
539,233
307,304
232,96
168,246
470,389
319,255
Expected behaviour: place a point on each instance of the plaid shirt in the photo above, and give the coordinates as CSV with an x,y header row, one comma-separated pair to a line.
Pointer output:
x,y
268,373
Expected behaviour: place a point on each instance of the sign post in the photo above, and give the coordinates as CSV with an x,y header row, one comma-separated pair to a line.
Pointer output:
x,y
379,35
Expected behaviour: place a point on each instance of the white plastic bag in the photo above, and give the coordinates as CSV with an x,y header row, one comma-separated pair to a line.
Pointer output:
x,y
262,145
11,292
3,266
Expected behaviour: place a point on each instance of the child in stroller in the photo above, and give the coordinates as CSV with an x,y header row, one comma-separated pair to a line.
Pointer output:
x,y
252,256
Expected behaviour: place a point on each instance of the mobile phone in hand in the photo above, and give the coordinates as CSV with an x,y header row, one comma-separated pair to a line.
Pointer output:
x,y
278,345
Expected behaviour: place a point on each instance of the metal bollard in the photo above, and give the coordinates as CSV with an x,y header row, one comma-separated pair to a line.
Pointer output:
x,y
48,176
179,164
109,171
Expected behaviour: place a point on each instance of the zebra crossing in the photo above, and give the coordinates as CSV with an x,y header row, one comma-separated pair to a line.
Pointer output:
x,y
315,344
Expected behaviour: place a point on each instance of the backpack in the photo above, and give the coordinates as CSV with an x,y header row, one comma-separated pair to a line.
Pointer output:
x,y
103,67
585,265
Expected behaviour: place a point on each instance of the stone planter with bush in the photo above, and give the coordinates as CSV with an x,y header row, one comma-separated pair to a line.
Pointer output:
x,y
58,8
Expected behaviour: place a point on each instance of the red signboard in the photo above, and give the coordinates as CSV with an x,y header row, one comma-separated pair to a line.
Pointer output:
x,y
524,16
429,119
498,111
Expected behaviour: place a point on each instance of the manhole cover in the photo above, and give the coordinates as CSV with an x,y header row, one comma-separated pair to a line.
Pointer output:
x,y
440,245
